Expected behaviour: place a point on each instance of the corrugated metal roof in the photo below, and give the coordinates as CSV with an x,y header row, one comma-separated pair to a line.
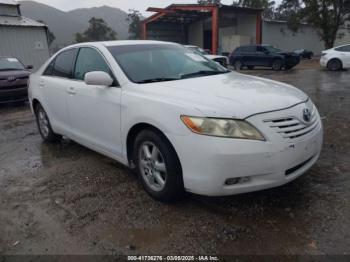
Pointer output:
x,y
8,2
19,21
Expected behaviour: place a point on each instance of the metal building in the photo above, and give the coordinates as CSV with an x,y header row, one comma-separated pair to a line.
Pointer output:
x,y
220,28
22,37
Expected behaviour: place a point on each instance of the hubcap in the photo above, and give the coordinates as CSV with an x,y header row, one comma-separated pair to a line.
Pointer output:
x,y
238,65
152,166
43,123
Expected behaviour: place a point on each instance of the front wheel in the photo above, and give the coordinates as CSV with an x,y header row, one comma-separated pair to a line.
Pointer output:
x,y
158,166
44,126
334,65
277,65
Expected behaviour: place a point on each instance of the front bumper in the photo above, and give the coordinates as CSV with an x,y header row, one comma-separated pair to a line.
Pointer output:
x,y
323,61
14,95
207,162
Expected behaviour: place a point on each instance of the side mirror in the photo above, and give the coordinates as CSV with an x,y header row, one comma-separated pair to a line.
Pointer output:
x,y
98,78
29,67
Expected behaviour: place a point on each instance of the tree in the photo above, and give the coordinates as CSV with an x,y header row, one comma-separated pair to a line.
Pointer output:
x,y
325,15
209,2
98,31
134,18
50,35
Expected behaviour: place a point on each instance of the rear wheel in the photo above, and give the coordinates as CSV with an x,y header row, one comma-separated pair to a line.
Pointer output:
x,y
277,64
334,65
44,126
238,65
158,166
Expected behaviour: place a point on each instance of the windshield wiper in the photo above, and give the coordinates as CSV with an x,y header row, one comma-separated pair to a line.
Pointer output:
x,y
204,73
159,79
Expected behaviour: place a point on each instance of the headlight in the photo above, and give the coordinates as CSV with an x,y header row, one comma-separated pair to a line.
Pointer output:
x,y
222,127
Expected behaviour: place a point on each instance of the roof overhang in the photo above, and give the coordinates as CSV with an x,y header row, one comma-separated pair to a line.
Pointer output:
x,y
188,13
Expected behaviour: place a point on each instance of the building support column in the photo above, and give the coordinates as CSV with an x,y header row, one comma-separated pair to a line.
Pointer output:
x,y
144,30
215,30
259,28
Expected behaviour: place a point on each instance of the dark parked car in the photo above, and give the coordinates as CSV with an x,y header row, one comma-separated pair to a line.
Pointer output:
x,y
263,55
13,80
304,53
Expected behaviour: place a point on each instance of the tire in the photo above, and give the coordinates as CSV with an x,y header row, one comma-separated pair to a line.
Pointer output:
x,y
44,126
238,65
251,67
335,65
277,64
158,167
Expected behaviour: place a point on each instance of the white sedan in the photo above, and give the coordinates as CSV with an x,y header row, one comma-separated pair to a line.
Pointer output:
x,y
336,58
223,60
183,122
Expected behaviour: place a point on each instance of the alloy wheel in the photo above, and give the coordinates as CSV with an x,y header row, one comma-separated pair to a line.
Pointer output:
x,y
43,123
152,166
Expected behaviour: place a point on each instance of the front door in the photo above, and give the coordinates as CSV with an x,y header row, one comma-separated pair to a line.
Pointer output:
x,y
95,110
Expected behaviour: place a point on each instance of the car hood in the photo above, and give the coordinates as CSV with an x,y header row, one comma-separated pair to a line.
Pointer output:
x,y
231,95
14,73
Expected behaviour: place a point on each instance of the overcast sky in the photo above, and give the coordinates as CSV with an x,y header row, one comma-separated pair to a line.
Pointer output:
x,y
125,5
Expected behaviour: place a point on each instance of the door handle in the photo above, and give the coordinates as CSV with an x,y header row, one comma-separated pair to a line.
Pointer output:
x,y
41,84
71,91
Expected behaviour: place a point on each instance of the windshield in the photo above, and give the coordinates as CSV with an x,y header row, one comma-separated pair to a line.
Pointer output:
x,y
10,64
272,49
162,62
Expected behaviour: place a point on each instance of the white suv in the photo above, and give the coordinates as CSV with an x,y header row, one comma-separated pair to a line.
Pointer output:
x,y
336,58
182,121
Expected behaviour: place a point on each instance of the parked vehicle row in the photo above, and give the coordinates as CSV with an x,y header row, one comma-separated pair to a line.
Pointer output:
x,y
180,120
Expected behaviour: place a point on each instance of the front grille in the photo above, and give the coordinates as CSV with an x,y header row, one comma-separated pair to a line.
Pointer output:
x,y
292,127
14,87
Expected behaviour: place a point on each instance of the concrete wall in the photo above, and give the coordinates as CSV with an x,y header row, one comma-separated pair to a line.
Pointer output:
x,y
28,44
278,35
195,33
8,10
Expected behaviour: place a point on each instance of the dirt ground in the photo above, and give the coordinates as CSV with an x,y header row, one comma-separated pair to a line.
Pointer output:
x,y
66,199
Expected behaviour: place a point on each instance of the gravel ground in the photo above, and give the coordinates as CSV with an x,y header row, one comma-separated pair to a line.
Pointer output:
x,y
66,199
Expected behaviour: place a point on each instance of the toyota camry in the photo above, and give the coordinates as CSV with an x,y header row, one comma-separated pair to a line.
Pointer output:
x,y
180,120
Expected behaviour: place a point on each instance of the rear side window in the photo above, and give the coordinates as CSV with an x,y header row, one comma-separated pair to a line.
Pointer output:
x,y
343,48
64,63
89,60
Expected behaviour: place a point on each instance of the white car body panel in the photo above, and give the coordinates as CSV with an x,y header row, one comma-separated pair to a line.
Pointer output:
x,y
101,118
332,53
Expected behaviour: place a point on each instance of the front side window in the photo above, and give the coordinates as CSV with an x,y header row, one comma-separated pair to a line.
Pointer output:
x,y
89,60
64,63
8,64
162,62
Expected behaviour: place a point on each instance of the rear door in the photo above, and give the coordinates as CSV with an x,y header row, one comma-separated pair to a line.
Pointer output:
x,y
55,81
263,57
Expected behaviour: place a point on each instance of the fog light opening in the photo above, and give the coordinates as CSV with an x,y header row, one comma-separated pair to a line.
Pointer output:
x,y
236,180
